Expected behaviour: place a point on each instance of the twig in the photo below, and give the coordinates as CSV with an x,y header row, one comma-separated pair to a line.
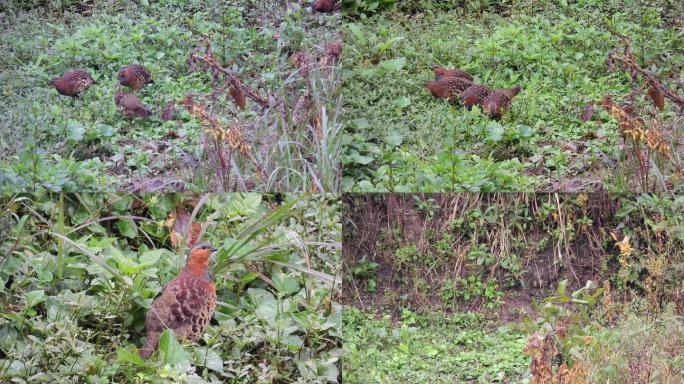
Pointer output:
x,y
630,61
208,58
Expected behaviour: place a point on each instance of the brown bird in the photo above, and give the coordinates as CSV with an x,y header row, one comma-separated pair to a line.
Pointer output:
x,y
657,97
186,304
130,105
134,76
499,101
474,95
448,87
441,73
72,82
325,5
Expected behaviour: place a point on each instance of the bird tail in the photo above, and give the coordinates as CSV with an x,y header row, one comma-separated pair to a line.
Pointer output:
x,y
514,91
150,345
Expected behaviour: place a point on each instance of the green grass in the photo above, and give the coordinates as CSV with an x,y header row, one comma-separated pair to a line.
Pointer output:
x,y
400,138
51,142
430,349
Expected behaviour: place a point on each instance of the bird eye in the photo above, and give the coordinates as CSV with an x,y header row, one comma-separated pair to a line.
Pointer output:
x,y
204,247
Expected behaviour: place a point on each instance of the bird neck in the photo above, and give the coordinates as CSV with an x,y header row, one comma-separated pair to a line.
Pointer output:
x,y
197,267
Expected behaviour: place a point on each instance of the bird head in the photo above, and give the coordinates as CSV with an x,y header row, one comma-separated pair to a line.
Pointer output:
x,y
198,257
118,95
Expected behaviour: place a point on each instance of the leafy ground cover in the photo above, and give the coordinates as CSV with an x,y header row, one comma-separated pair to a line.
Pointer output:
x,y
399,138
78,273
430,349
513,288
287,138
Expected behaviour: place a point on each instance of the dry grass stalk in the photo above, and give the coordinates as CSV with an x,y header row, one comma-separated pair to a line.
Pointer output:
x,y
231,78
628,59
233,136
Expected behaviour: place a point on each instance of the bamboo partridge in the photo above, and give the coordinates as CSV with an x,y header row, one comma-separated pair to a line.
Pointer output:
x,y
325,5
441,73
72,82
474,95
130,105
448,87
186,304
499,101
134,76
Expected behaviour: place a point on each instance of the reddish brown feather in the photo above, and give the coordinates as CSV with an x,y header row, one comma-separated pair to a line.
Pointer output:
x,y
657,97
325,5
238,96
441,73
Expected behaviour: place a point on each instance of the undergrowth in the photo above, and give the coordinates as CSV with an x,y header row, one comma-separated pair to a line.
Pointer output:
x,y
78,273
60,139
400,138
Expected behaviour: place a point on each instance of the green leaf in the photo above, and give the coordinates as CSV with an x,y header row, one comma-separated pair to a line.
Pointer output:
x,y
494,132
286,285
128,228
358,33
171,351
209,359
125,355
248,277
34,298
75,130
402,102
394,139
562,288
393,65
241,247
97,259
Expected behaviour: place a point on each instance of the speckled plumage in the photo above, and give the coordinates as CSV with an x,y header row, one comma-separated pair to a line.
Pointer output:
x,y
134,76
443,73
72,82
448,87
474,95
325,5
186,304
130,105
499,101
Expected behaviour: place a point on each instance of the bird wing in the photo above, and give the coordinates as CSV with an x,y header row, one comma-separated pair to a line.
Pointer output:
x,y
178,304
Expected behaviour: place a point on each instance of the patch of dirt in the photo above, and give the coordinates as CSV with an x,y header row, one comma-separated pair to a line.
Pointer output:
x,y
382,224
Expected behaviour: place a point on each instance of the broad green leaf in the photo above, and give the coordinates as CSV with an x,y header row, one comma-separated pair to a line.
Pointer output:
x,y
358,33
394,64
171,351
34,298
209,358
394,139
75,130
126,355
286,285
494,132
127,228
